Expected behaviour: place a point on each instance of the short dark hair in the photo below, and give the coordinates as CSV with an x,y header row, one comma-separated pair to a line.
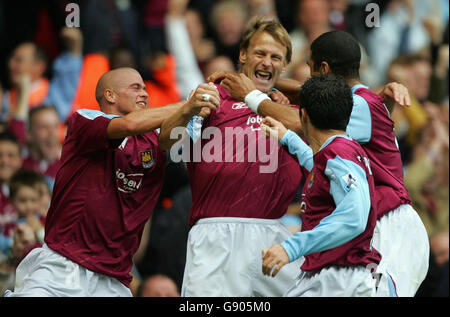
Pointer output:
x,y
24,177
340,50
328,100
9,137
33,111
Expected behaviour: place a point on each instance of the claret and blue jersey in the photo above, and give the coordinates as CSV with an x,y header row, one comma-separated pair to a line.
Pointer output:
x,y
338,216
237,188
104,194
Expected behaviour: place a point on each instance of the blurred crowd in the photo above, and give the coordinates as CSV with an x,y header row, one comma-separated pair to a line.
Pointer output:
x,y
48,71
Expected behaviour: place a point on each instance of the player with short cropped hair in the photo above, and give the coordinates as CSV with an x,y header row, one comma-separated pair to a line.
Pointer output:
x,y
110,179
236,206
338,199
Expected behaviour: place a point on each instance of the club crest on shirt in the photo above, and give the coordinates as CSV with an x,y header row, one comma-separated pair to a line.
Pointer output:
x,y
311,180
147,158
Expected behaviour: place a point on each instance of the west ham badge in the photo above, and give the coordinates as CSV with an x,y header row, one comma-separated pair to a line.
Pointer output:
x,y
147,158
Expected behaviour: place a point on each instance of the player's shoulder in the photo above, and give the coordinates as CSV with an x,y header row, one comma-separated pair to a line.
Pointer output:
x,y
363,93
340,146
93,114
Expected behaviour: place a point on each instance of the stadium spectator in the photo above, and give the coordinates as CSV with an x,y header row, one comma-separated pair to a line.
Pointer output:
x,y
43,149
162,85
188,72
10,163
218,63
118,26
426,175
158,286
25,197
204,48
265,8
28,59
228,19
19,236
403,31
312,17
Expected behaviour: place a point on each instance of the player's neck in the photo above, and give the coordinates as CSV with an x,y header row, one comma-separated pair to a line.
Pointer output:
x,y
319,137
354,81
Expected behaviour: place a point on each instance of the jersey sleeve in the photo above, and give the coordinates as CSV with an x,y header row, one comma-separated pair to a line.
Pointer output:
x,y
194,128
296,146
87,130
350,191
360,125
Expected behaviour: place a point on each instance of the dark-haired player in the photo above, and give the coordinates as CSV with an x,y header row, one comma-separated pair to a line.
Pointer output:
x,y
338,199
400,235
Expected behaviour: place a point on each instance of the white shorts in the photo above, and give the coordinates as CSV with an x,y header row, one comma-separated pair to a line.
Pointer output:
x,y
224,258
334,281
46,273
402,240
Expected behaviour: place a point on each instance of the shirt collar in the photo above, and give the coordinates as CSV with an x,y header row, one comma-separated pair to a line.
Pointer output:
x,y
357,86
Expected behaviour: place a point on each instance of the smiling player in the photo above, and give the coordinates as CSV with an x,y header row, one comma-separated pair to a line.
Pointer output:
x,y
236,207
111,176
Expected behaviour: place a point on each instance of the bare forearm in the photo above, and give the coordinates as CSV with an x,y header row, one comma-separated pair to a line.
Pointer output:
x,y
290,88
286,114
140,121
201,102
178,119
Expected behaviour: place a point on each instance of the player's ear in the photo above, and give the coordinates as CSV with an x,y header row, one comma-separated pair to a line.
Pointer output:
x,y
303,116
324,68
110,96
243,56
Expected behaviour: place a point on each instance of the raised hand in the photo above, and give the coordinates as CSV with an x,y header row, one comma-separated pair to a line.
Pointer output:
x,y
72,39
273,128
395,93
203,100
217,76
238,85
279,97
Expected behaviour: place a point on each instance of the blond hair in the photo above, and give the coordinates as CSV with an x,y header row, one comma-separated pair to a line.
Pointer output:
x,y
274,28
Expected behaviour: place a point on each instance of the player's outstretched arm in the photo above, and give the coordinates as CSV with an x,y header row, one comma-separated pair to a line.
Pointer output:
x,y
201,102
140,121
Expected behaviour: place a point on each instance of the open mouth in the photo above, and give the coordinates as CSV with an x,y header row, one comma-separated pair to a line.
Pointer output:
x,y
262,75
142,104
